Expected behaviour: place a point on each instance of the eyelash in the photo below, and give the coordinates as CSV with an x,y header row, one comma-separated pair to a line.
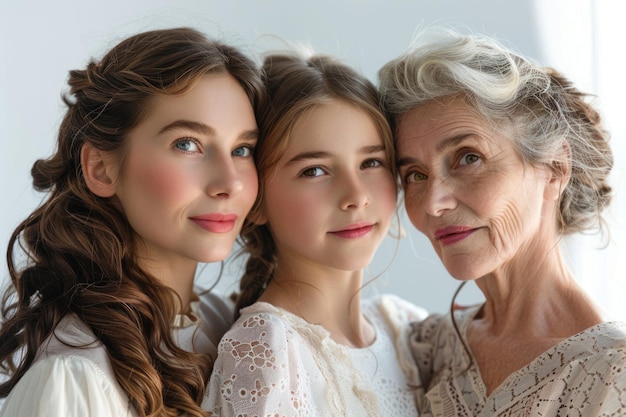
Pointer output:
x,y
199,147
407,178
467,154
187,140
251,148
377,163
303,173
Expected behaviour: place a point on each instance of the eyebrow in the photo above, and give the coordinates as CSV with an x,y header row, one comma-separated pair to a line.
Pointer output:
x,y
441,146
205,129
321,154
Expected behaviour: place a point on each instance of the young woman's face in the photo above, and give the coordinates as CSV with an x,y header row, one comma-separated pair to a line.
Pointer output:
x,y
331,197
188,177
467,189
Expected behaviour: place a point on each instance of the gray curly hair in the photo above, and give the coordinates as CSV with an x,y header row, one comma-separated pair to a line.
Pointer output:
x,y
543,108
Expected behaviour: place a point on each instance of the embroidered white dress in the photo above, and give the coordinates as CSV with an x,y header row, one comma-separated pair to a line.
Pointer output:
x,y
584,375
274,363
79,382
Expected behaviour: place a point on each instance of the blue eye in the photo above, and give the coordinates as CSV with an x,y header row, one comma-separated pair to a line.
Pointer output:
x,y
313,172
187,145
243,151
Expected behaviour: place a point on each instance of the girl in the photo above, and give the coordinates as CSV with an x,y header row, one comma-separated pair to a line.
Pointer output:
x,y
305,344
153,173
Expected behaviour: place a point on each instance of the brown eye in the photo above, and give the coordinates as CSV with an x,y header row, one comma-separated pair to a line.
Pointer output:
x,y
312,172
371,163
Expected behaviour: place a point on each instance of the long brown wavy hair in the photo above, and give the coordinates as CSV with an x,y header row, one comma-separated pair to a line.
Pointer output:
x,y
296,84
76,252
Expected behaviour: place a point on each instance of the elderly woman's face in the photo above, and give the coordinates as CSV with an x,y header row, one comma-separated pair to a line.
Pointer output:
x,y
467,189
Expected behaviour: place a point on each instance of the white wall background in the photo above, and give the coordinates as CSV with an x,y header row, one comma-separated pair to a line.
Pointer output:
x,y
40,41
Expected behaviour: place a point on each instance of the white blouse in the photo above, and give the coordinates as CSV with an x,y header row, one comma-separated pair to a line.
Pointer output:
x,y
273,362
79,382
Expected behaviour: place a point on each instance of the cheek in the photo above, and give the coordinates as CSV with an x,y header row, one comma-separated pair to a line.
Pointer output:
x,y
413,210
286,205
389,196
157,182
507,225
250,187
514,214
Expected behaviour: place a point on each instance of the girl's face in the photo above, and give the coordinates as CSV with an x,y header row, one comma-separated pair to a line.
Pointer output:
x,y
331,197
188,178
467,189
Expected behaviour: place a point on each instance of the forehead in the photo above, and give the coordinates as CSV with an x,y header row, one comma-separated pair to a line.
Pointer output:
x,y
435,115
433,129
333,125
441,120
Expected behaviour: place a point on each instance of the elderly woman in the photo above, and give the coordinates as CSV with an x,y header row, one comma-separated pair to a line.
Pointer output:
x,y
499,159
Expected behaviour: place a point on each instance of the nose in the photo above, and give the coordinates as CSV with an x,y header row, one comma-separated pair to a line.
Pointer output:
x,y
353,193
438,197
223,178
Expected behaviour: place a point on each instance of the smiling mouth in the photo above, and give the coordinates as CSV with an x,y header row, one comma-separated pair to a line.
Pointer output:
x,y
354,231
216,222
215,226
452,235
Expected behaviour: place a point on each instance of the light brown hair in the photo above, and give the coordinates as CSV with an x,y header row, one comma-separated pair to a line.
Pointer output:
x,y
296,84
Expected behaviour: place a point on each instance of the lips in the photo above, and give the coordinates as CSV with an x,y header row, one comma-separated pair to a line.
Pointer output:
x,y
453,234
216,222
353,231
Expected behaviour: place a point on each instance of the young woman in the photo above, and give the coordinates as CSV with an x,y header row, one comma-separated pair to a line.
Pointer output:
x,y
501,158
305,344
153,173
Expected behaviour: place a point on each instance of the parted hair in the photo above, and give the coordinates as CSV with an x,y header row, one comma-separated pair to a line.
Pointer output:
x,y
545,113
296,83
77,254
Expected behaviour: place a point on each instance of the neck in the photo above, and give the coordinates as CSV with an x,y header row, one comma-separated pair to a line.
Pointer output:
x,y
536,296
323,296
178,276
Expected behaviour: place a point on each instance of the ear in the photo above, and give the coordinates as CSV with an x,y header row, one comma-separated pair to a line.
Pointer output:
x,y
561,171
98,169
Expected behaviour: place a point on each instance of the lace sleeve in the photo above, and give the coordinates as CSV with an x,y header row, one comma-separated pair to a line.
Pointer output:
x,y
259,371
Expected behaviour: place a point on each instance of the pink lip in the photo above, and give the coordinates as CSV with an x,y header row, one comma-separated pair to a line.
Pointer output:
x,y
353,231
216,222
453,234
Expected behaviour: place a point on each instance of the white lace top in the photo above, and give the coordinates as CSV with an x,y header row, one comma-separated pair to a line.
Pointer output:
x,y
79,382
273,363
584,375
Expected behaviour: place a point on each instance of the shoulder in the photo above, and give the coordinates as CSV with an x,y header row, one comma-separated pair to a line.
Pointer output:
x,y
67,385
394,308
611,334
260,323
73,338
216,312
437,325
262,360
603,344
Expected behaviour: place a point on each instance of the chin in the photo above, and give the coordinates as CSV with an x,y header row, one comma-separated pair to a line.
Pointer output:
x,y
463,273
216,255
